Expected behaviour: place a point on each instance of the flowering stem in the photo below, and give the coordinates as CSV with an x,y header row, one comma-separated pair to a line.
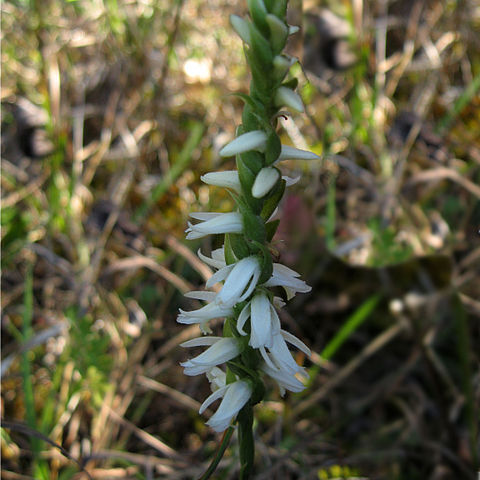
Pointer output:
x,y
253,344
245,438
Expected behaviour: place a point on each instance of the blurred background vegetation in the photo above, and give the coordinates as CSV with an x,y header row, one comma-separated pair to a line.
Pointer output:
x,y
111,111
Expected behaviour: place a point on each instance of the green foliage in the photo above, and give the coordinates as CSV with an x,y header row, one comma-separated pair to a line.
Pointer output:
x,y
89,348
15,228
386,249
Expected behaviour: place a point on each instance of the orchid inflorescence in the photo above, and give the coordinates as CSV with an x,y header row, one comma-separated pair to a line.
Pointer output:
x,y
253,343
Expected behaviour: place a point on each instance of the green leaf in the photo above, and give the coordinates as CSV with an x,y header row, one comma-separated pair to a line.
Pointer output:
x,y
248,165
240,369
266,264
261,87
292,83
280,9
273,148
254,104
271,228
253,226
258,391
250,118
237,245
269,4
258,12
230,257
350,326
261,48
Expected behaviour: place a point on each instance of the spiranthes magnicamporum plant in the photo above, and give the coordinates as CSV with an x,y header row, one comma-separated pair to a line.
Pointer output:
x,y
253,344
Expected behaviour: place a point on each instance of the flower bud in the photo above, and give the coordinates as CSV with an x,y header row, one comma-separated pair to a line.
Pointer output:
x,y
258,12
226,179
282,64
266,179
286,96
241,27
292,153
278,32
255,140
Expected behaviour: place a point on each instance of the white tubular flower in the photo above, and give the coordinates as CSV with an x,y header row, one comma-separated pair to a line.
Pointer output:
x,y
226,179
287,278
286,96
264,321
279,355
217,378
221,350
216,223
204,314
265,180
291,153
240,282
284,380
235,396
280,364
217,260
241,27
256,140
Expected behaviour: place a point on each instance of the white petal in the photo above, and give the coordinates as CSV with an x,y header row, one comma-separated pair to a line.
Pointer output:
x,y
203,314
296,342
286,96
281,356
278,302
284,380
240,282
192,370
265,180
204,216
220,352
201,295
289,181
260,321
282,64
255,140
286,277
219,276
219,254
292,153
214,396
242,318
226,179
221,223
200,342
267,359
212,261
236,396
276,326
292,29
217,378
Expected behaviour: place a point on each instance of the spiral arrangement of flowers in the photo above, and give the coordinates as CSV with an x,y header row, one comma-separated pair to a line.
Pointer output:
x,y
253,345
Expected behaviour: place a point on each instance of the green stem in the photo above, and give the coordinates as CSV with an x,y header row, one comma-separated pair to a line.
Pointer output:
x,y
246,441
